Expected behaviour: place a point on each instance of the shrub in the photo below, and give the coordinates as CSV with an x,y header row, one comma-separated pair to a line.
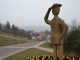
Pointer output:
x,y
72,42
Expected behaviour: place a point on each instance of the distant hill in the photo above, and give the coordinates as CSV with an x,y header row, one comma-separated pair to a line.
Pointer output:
x,y
35,28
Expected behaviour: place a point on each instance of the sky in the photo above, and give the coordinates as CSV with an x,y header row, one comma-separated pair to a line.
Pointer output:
x,y
32,12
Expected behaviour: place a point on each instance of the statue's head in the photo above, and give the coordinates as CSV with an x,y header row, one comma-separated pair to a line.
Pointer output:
x,y
56,8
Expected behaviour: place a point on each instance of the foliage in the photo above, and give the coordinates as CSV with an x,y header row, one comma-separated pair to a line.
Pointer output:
x,y
47,32
16,31
72,42
28,34
20,32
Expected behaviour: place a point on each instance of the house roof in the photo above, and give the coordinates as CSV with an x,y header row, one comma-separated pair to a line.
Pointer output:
x,y
35,34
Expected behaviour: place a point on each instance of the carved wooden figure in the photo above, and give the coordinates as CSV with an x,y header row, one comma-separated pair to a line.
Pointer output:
x,y
58,30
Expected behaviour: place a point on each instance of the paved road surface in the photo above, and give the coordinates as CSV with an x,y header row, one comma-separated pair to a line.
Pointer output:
x,y
12,49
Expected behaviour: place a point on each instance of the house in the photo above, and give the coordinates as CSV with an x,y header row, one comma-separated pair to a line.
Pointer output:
x,y
40,36
37,36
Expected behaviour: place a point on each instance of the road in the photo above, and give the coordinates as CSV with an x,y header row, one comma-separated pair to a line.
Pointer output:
x,y
6,51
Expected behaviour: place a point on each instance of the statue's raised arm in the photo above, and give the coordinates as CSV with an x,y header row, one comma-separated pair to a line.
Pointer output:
x,y
47,15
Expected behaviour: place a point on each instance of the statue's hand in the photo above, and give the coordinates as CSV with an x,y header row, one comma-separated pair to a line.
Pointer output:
x,y
60,37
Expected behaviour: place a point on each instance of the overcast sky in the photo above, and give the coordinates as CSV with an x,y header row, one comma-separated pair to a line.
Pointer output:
x,y
32,12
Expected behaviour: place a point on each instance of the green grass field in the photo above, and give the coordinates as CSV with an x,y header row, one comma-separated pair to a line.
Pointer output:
x,y
27,53
46,45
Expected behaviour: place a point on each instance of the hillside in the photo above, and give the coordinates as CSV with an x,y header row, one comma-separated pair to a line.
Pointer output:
x,y
35,28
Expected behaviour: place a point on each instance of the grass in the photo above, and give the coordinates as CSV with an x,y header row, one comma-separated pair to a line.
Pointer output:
x,y
46,45
28,41
27,53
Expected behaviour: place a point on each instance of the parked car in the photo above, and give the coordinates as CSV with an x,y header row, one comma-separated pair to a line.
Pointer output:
x,y
43,39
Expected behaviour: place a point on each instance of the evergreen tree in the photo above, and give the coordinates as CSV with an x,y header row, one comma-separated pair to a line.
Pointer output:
x,y
13,28
8,26
0,27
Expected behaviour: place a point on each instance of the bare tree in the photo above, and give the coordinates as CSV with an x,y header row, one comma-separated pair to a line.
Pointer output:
x,y
74,25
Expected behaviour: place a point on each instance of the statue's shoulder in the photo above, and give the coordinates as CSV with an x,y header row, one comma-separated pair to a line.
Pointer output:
x,y
59,18
61,21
